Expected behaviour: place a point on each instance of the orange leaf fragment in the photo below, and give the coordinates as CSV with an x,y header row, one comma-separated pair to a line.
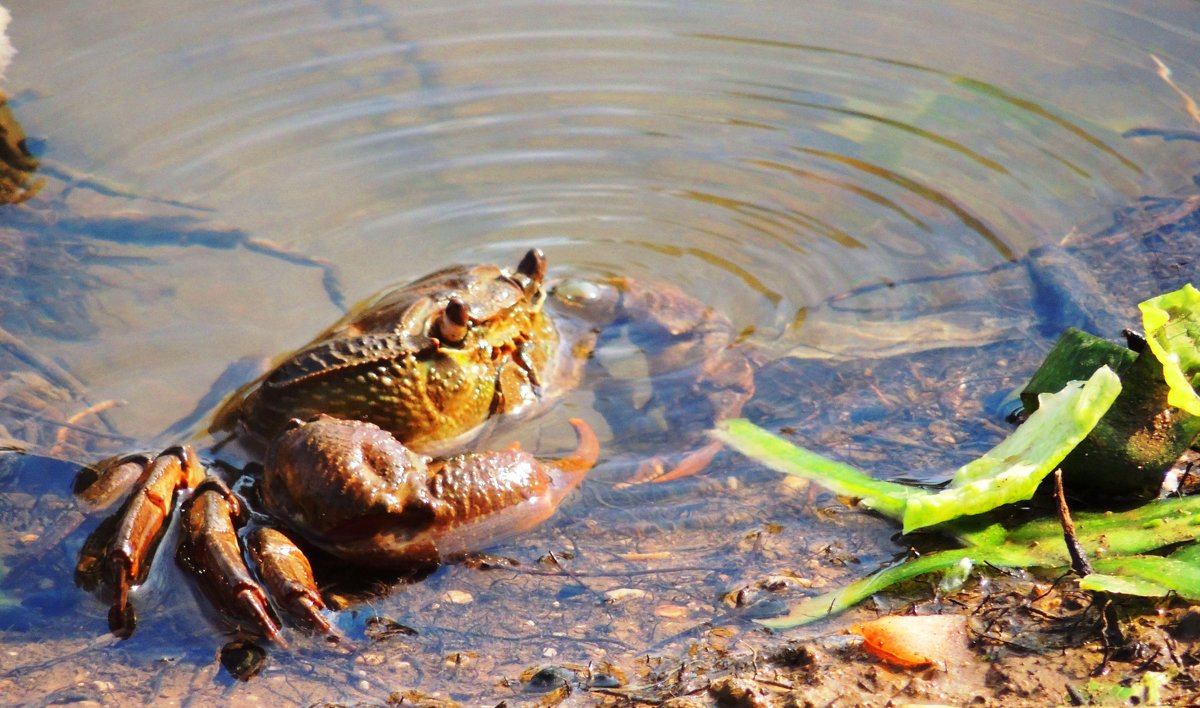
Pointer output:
x,y
913,642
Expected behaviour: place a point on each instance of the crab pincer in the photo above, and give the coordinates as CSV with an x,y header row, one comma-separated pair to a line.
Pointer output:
x,y
353,490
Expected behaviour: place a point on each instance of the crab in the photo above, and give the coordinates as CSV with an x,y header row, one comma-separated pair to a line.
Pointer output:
x,y
362,435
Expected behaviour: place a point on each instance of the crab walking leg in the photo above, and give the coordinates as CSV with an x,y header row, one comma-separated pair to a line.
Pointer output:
x,y
696,336
209,549
286,572
101,486
148,509
654,470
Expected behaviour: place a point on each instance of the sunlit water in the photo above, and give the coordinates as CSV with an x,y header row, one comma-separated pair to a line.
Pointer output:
x,y
764,156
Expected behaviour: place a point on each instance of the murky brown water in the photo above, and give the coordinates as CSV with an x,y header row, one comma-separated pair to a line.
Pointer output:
x,y
765,156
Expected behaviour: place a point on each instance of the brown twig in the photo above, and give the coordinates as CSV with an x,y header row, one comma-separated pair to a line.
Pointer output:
x,y
1110,626
1079,561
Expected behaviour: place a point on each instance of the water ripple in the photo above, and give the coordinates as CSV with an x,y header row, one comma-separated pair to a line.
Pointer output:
x,y
766,156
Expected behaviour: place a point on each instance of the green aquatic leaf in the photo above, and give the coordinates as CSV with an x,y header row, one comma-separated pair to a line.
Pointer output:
x,y
887,498
1113,539
1189,553
1012,470
815,608
1118,585
1008,473
1004,556
1157,524
1172,324
1149,576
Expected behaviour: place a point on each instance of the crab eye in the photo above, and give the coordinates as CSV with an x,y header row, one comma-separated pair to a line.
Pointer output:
x,y
451,325
533,265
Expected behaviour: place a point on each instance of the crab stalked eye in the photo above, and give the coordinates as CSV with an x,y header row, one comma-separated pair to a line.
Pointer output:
x,y
451,325
533,265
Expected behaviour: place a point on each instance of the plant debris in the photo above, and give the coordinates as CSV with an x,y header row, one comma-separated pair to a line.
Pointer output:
x,y
1120,546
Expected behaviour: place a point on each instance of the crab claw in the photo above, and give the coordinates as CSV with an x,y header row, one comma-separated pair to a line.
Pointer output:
x,y
353,490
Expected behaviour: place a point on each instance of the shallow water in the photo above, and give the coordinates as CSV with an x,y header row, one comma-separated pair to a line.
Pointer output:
x,y
764,156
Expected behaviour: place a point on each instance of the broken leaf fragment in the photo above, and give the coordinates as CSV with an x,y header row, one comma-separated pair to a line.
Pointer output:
x,y
1172,323
916,641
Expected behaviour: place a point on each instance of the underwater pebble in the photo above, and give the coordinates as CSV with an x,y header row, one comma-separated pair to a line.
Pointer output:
x,y
604,680
623,594
458,659
457,597
734,691
781,582
549,678
791,485
671,611
363,685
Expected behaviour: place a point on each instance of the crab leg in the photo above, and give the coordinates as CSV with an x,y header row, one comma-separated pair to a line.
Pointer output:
x,y
724,380
209,549
102,485
287,574
141,524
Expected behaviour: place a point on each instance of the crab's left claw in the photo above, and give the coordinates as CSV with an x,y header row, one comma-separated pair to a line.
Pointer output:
x,y
355,491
